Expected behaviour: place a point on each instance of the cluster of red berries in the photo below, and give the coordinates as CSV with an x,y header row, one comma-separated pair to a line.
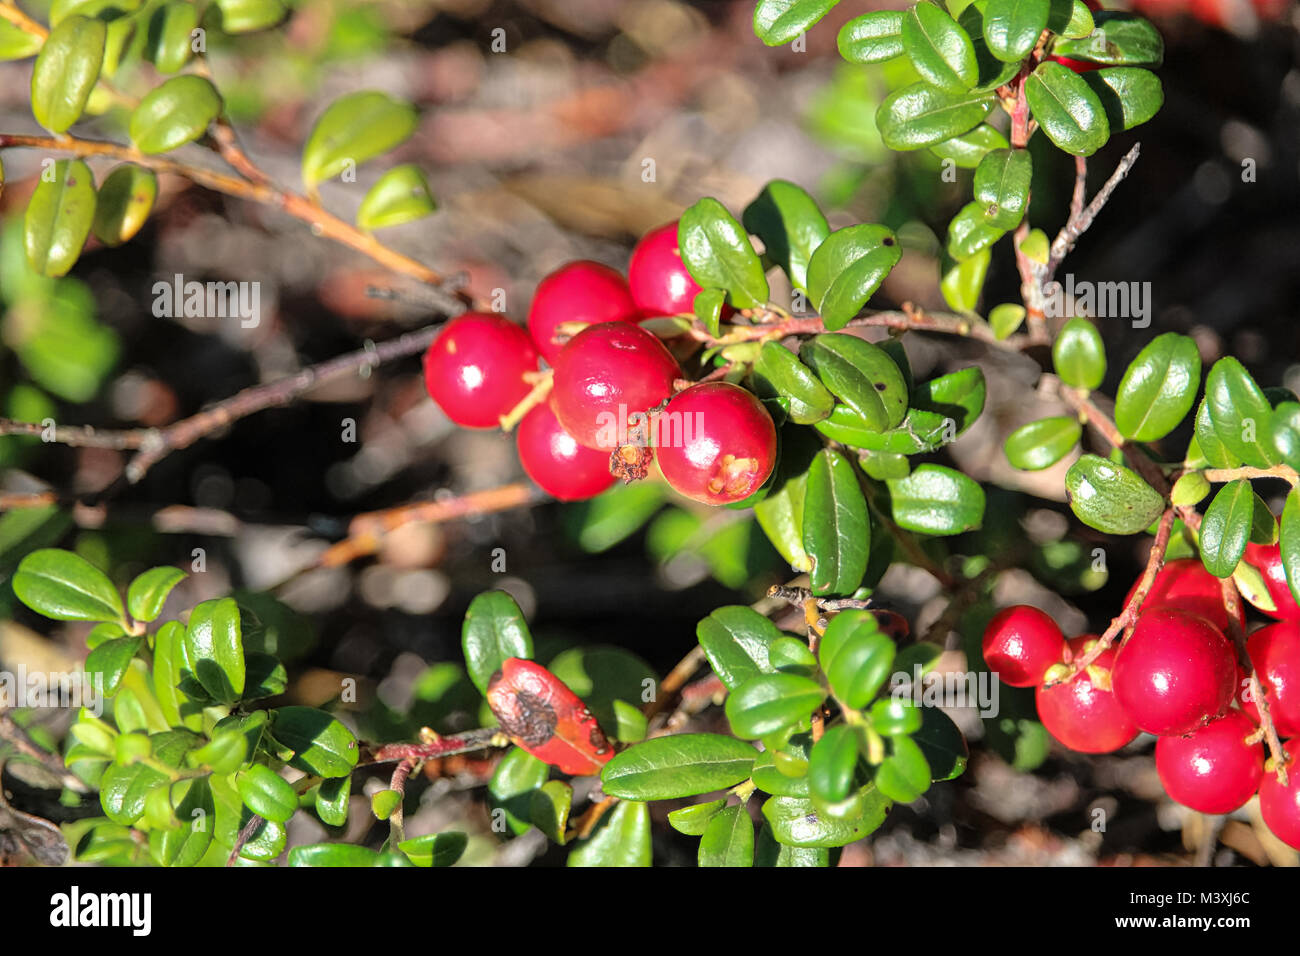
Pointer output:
x,y
1177,677
615,406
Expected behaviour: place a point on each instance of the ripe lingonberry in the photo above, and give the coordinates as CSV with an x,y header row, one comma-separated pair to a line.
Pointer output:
x,y
559,465
1279,805
1175,672
660,281
1214,769
475,368
715,443
605,376
1186,585
1082,713
1268,559
1020,643
582,291
1275,652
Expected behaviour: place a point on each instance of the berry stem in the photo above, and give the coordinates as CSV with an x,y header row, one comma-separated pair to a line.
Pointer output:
x,y
541,388
1128,616
1267,731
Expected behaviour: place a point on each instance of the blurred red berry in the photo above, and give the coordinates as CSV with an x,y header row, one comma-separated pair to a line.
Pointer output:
x,y
560,466
1275,652
1020,643
475,368
582,291
1279,805
661,284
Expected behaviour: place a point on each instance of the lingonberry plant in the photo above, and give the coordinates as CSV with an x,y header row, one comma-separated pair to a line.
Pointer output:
x,y
689,373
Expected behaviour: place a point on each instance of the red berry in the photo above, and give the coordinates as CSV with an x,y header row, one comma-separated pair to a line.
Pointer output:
x,y
1275,652
1081,714
1279,805
582,291
1186,585
559,465
605,376
1268,559
714,443
660,281
475,368
1175,672
1079,66
1020,643
1212,770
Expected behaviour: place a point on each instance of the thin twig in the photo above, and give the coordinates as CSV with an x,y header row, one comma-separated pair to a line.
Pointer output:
x,y
1078,223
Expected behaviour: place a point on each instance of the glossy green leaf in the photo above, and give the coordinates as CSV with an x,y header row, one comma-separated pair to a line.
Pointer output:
x,y
780,21
604,521
780,515
549,808
992,71
108,662
604,677
333,855
1080,22
168,667
836,531
494,630
1284,432
1207,441
175,113
171,34
58,218
728,839
66,587
791,226
970,232
622,839
1002,186
399,196
1043,443
678,765
804,398
962,284
942,744
1117,39
856,657
148,592
186,844
873,37
332,800
1067,109
791,655
1240,413
321,744
1130,95
384,803
1079,355
968,149
937,500
796,822
707,306
1189,489
18,44
892,716
771,703
919,115
1158,388
435,849
353,129
769,853
247,16
736,640
904,775
861,375
66,70
214,647
124,789
1110,497
125,200
1012,27
266,793
694,820
848,268
1226,528
939,49
511,788
1288,540
831,764
718,254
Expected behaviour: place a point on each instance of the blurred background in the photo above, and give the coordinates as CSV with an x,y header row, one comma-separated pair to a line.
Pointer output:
x,y
560,129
